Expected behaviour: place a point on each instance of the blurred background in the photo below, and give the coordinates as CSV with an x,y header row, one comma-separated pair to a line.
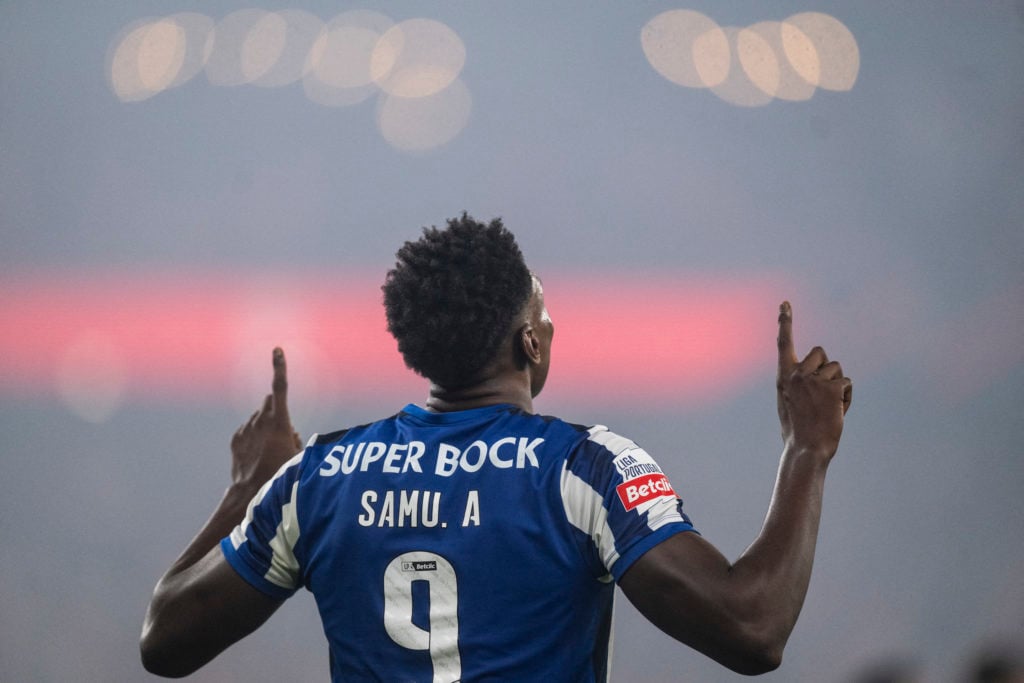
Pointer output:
x,y
184,185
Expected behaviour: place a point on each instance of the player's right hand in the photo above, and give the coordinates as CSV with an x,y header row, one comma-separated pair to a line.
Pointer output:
x,y
267,440
813,394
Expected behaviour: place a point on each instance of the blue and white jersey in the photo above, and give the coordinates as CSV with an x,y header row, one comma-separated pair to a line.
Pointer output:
x,y
475,545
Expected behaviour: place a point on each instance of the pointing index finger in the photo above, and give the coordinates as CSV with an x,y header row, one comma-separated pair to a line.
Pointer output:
x,y
280,383
787,353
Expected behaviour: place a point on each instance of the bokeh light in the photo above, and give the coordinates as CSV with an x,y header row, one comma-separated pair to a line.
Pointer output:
x,y
422,123
161,55
738,88
417,58
199,34
413,66
766,61
263,46
758,61
339,73
299,31
235,58
687,48
147,59
838,54
751,66
91,376
801,53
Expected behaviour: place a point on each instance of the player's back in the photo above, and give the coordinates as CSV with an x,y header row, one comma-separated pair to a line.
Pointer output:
x,y
471,545
438,548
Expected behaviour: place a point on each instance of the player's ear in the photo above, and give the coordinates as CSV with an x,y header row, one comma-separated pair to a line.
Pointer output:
x,y
528,344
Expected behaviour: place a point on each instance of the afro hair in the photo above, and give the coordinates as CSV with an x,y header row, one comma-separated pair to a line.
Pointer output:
x,y
452,298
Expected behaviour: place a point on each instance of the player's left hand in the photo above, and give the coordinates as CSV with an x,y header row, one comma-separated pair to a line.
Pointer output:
x,y
267,440
813,394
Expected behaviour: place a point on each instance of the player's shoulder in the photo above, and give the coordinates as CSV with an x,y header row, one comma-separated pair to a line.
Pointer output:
x,y
601,453
550,421
332,438
602,439
320,445
596,438
607,461
555,428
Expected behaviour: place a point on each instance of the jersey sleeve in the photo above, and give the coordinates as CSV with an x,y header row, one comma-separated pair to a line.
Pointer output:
x,y
262,547
617,495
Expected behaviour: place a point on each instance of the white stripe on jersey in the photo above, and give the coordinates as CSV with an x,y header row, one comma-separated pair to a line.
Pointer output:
x,y
660,511
584,507
664,511
284,568
238,533
600,435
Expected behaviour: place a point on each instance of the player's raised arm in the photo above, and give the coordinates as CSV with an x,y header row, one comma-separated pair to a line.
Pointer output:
x,y
201,605
741,614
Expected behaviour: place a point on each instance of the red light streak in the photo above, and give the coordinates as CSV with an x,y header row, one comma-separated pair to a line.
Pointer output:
x,y
618,338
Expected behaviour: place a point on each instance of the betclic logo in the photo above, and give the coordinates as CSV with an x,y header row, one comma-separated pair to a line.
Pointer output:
x,y
636,492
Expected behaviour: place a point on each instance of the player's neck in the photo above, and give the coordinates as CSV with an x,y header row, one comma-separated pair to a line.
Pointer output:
x,y
489,392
